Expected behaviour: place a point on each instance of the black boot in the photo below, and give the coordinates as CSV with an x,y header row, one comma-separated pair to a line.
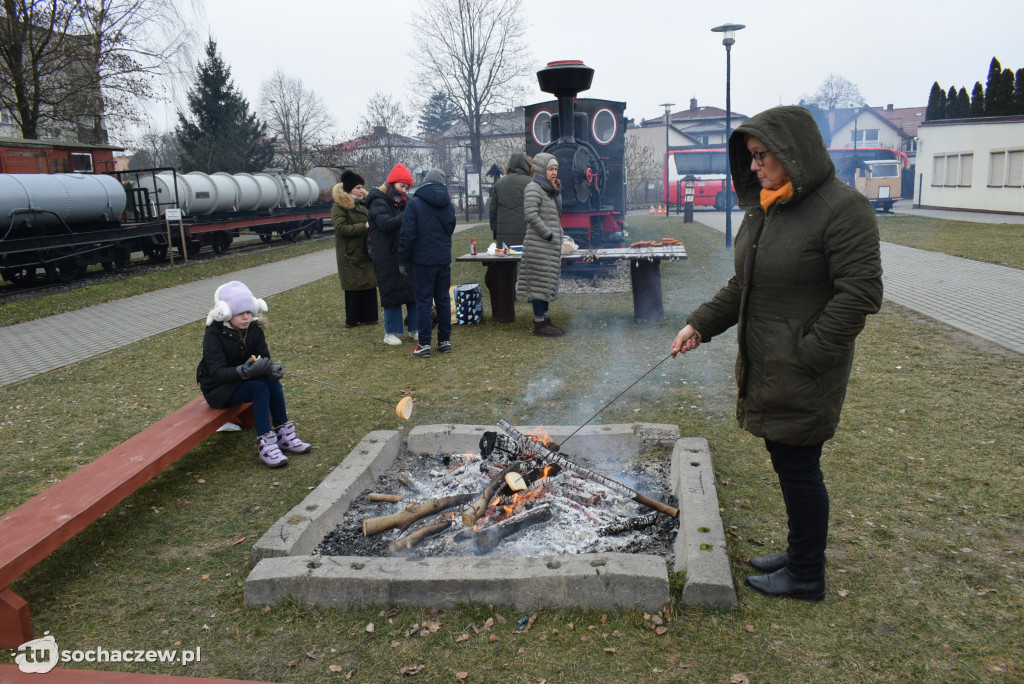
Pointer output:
x,y
783,585
770,563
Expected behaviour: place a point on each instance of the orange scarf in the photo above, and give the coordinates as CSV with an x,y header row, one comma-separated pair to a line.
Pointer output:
x,y
770,197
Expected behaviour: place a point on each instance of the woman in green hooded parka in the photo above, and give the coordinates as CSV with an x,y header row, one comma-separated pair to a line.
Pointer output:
x,y
355,268
808,272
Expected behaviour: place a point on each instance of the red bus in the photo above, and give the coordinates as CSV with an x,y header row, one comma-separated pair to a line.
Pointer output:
x,y
876,171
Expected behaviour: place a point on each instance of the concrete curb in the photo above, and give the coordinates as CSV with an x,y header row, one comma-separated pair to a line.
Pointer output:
x,y
701,549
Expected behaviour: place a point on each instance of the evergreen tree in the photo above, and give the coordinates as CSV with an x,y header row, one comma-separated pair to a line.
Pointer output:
x,y
936,104
221,134
951,103
438,114
963,104
995,101
1018,93
978,100
1008,90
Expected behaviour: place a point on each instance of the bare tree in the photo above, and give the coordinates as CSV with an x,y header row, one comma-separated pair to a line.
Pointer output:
x,y
65,64
835,92
297,117
156,150
473,52
642,166
381,140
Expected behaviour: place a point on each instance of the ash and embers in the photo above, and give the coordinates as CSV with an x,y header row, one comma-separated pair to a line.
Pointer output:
x,y
581,511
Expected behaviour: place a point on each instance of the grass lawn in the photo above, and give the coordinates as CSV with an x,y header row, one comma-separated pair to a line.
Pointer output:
x,y
924,572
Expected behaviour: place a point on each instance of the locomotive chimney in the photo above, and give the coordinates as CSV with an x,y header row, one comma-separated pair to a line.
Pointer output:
x,y
565,79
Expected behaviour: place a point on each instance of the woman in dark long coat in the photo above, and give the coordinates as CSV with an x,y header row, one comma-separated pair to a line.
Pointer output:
x,y
386,206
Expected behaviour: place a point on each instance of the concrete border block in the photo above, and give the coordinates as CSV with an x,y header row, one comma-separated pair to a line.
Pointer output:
x,y
700,549
589,581
300,530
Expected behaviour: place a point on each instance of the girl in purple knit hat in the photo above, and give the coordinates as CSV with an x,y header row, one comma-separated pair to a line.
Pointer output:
x,y
236,368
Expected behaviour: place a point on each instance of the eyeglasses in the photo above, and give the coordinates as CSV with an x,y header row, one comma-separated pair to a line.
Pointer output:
x,y
759,156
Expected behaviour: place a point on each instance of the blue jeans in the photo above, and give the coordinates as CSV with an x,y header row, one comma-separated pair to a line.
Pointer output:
x,y
807,506
540,308
393,319
430,285
267,397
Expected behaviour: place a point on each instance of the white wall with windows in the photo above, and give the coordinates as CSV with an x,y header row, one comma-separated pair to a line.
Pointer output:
x,y
974,164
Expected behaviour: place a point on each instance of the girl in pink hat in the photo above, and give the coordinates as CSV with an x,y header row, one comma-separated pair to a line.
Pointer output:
x,y
236,368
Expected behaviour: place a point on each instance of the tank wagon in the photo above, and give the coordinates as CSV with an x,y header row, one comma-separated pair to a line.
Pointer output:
x,y
588,136
61,224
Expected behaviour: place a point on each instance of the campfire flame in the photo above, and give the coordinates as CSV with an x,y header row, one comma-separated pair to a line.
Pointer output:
x,y
500,508
541,436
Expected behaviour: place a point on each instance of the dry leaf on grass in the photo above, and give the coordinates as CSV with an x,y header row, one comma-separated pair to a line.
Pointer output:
x,y
461,676
370,628
843,592
660,630
739,679
335,668
750,628
609,650
492,638
410,670
461,637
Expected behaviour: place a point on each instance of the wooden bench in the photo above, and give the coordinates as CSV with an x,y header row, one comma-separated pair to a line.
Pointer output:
x,y
38,527
644,275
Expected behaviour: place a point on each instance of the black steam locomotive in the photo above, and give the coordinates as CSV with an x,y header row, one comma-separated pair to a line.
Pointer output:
x,y
588,137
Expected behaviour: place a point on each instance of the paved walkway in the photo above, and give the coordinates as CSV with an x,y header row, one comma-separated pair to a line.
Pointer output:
x,y
982,299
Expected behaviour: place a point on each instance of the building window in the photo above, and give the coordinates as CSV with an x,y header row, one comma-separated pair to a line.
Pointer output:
x,y
1015,168
81,162
938,170
865,136
996,168
1006,169
966,170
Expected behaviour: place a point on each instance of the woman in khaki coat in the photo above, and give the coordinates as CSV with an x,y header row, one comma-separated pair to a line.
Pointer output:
x,y
541,267
355,268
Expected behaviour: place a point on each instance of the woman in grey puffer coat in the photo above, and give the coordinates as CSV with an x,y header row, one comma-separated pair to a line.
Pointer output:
x,y
808,272
541,268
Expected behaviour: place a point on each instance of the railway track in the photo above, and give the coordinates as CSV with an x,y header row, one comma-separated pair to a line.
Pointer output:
x,y
141,264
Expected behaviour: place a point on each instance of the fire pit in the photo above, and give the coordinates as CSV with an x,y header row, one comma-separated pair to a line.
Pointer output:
x,y
436,570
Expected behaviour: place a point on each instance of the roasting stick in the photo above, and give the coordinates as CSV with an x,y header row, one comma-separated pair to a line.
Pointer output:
x,y
568,464
650,370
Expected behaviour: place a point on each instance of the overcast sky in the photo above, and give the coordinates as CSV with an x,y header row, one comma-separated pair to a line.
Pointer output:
x,y
644,53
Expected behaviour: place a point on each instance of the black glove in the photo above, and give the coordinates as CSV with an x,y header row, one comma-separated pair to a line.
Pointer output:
x,y
550,237
276,371
403,269
253,368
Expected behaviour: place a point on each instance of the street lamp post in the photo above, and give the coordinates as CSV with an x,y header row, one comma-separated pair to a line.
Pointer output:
x,y
728,32
668,113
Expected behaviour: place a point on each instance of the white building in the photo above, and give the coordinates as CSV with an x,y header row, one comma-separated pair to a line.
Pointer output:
x,y
971,164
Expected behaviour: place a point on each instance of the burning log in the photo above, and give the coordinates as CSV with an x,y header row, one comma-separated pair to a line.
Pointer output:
x,y
637,523
411,540
487,538
527,445
478,507
411,514
386,498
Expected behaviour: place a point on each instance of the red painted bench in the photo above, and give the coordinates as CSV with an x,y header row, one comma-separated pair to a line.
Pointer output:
x,y
38,527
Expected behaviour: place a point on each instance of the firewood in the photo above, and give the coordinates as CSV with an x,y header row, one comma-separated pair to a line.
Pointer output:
x,y
637,523
528,445
414,538
411,514
475,510
386,498
487,538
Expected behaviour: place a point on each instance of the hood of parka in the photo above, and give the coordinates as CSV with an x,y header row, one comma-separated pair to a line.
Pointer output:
x,y
434,194
791,134
342,198
521,163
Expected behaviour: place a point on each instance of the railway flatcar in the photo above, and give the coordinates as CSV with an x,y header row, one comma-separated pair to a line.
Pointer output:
x,y
588,136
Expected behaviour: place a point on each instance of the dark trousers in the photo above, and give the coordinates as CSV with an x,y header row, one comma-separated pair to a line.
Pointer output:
x,y
360,306
540,308
803,489
430,287
267,397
